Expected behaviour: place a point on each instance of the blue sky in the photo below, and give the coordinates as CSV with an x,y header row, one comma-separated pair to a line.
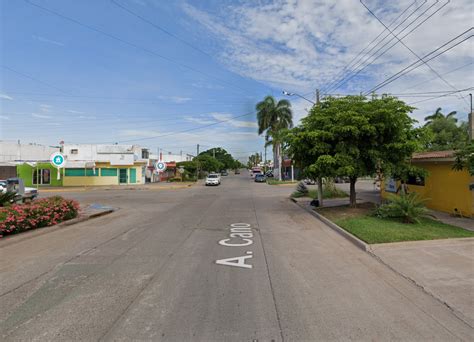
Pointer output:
x,y
63,80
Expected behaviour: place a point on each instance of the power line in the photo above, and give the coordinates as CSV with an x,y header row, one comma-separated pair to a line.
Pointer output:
x,y
77,22
164,30
190,129
328,87
343,81
443,95
414,65
444,74
409,49
33,78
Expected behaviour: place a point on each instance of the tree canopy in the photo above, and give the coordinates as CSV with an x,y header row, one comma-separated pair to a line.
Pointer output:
x,y
353,136
225,158
442,132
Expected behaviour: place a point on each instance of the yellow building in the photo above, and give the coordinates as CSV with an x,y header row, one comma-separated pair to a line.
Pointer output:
x,y
103,174
100,164
444,188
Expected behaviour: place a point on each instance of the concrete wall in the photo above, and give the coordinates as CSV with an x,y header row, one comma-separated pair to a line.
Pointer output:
x,y
445,189
11,151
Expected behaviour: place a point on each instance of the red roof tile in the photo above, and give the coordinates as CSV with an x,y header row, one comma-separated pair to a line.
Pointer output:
x,y
433,155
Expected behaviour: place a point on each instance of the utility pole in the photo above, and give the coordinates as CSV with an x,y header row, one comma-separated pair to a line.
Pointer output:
x,y
265,161
471,122
320,179
197,167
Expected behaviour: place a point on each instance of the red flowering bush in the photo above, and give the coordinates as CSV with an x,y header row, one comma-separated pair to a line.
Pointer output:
x,y
40,213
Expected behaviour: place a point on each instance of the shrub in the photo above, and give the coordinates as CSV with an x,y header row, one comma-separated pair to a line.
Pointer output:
x,y
6,198
301,190
174,179
40,213
407,207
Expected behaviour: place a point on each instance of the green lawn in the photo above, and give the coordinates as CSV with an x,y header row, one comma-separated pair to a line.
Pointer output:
x,y
375,230
277,182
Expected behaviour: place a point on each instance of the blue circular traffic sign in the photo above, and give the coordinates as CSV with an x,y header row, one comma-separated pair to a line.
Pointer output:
x,y
58,160
160,166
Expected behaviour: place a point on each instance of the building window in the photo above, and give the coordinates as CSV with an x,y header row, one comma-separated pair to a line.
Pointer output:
x,y
416,180
108,172
75,172
41,176
145,154
74,151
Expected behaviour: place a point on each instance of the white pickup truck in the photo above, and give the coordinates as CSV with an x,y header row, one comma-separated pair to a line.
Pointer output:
x,y
16,185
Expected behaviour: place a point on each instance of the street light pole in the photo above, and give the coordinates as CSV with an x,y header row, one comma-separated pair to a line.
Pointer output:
x,y
295,94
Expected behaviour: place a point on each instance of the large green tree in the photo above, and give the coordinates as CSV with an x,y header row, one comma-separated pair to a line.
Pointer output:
x,y
444,133
208,163
221,155
354,137
272,117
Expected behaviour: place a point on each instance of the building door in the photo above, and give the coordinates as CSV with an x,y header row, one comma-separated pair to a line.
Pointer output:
x,y
133,175
123,176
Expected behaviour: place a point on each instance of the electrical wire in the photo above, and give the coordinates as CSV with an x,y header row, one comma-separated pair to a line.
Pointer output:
x,y
138,47
391,46
414,65
407,47
337,78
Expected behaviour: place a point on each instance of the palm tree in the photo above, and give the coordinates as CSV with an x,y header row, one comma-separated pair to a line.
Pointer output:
x,y
439,115
272,117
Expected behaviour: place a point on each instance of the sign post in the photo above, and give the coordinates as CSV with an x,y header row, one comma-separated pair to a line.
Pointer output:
x,y
58,161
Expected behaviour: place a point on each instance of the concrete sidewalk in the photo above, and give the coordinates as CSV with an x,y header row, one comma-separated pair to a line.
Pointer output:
x,y
443,268
147,186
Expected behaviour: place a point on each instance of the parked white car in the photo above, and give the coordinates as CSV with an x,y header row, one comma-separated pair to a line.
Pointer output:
x,y
213,179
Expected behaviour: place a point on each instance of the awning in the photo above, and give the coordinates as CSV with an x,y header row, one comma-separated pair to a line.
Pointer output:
x,y
80,164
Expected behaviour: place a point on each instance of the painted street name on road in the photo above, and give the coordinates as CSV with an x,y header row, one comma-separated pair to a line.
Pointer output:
x,y
240,236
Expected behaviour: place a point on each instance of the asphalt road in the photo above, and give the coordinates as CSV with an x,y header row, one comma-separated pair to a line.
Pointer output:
x,y
149,272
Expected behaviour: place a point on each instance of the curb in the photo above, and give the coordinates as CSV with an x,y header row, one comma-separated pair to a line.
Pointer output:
x,y
355,240
29,234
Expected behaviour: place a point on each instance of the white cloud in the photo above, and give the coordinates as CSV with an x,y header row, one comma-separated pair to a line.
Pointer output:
x,y
138,133
5,97
49,41
175,99
301,45
75,112
236,123
200,120
4,117
41,116
45,108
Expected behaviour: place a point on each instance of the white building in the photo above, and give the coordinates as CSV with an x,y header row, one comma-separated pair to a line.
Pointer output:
x,y
16,151
96,164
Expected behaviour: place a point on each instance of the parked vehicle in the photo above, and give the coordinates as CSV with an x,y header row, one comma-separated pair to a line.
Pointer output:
x,y
260,178
213,179
17,186
224,173
309,181
341,180
237,172
269,174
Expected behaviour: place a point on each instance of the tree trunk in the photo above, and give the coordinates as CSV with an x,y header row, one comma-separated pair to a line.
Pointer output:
x,y
275,161
353,200
280,166
320,191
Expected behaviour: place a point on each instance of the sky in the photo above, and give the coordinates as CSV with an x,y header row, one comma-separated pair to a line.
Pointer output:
x,y
174,74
